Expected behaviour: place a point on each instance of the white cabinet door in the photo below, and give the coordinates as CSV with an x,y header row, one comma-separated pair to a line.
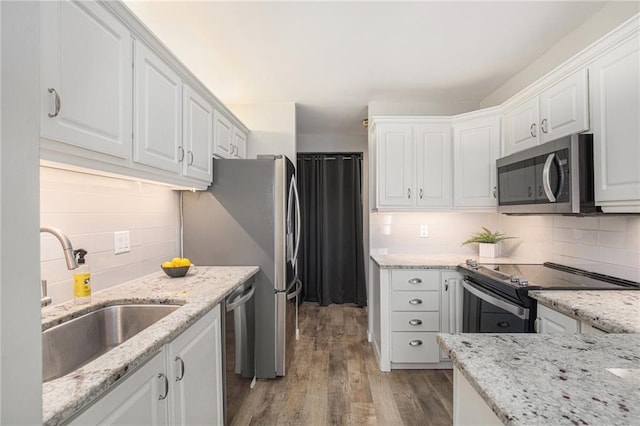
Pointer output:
x,y
395,165
564,108
86,64
195,358
158,112
239,144
476,146
550,321
222,135
135,401
521,127
197,136
615,100
433,165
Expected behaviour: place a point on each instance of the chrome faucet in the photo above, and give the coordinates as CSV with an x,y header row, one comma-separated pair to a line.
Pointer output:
x,y
67,248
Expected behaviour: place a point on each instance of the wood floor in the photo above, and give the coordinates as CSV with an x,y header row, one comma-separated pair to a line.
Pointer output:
x,y
335,380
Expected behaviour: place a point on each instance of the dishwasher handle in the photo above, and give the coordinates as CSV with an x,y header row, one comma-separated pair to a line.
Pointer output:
x,y
241,300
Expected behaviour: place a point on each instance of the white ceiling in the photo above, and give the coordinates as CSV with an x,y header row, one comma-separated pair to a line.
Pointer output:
x,y
332,58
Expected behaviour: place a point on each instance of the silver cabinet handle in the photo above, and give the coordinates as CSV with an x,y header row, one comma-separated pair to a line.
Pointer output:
x,y
495,192
181,149
415,301
190,155
181,376
421,193
546,181
57,102
166,386
532,130
415,281
235,147
409,193
543,125
415,322
415,342
446,285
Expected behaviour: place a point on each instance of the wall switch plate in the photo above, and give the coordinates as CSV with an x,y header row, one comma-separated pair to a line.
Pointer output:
x,y
121,242
424,231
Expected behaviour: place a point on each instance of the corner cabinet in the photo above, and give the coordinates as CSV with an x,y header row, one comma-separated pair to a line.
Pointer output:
x,y
181,384
615,100
230,141
561,110
409,307
476,146
413,166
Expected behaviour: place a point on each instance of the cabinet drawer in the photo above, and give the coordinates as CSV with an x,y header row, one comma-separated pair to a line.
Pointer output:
x,y
414,347
415,321
415,301
415,279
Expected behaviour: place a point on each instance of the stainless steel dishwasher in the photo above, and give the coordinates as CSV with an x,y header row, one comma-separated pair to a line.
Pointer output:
x,y
239,348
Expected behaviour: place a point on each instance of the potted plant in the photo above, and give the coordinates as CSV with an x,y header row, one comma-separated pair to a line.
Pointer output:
x,y
488,242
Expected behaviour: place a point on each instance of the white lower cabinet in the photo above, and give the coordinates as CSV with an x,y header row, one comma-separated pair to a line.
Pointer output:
x,y
411,307
550,321
181,384
469,409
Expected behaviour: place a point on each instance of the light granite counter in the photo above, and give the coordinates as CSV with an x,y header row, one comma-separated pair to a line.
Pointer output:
x,y
559,379
615,311
199,292
440,261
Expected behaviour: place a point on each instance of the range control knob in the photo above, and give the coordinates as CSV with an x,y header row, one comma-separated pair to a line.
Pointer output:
x,y
523,282
514,279
472,263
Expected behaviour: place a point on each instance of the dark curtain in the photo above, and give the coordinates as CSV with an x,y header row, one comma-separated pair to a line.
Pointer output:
x,y
332,257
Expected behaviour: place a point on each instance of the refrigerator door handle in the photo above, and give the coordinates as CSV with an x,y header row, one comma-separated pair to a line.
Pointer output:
x,y
298,221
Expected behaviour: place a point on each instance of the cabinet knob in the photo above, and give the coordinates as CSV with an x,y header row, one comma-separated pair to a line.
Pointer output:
x,y
415,301
415,322
415,343
415,281
57,103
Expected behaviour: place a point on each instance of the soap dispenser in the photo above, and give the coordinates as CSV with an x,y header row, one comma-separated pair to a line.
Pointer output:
x,y
81,279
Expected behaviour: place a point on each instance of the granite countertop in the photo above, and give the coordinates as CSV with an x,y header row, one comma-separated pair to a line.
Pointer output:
x,y
615,311
199,291
439,261
559,379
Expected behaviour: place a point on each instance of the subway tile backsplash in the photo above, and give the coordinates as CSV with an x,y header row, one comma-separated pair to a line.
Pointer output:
x,y
610,244
89,209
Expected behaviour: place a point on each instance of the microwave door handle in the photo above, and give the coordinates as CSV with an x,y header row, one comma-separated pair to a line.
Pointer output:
x,y
546,181
516,310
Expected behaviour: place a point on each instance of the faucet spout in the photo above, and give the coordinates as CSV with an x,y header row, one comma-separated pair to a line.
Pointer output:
x,y
67,248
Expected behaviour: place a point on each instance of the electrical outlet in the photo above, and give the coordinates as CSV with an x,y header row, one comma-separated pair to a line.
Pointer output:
x,y
121,242
424,231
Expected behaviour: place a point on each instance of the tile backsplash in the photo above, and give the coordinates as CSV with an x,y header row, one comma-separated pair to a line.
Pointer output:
x,y
610,244
89,209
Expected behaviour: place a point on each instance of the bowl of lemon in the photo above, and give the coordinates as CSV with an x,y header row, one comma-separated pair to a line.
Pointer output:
x,y
177,267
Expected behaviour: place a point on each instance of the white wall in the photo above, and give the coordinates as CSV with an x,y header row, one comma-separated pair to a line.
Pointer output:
x,y
272,125
20,325
89,209
434,108
606,19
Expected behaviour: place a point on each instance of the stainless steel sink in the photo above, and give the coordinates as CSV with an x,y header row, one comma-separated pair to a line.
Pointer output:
x,y
70,345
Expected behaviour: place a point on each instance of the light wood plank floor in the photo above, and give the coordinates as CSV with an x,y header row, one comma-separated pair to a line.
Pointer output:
x,y
335,380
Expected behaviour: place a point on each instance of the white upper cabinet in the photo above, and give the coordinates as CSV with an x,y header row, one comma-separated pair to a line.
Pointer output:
x,y
239,143
476,146
395,165
413,164
86,81
197,136
561,110
433,165
222,135
615,100
158,112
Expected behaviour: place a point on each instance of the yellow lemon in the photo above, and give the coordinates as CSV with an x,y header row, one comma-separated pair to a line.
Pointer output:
x,y
167,265
185,262
176,261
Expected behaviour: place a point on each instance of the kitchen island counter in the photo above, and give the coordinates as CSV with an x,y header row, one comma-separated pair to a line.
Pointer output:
x,y
560,379
615,311
435,261
202,289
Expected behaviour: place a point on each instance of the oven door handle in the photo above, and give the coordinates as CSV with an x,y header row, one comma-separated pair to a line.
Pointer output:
x,y
516,310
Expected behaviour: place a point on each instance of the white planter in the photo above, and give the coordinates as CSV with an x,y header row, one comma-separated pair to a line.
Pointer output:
x,y
489,250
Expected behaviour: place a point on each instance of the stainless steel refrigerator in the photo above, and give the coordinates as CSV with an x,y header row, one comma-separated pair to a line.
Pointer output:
x,y
250,215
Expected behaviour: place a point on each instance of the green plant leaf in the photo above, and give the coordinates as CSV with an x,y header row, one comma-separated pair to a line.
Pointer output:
x,y
488,237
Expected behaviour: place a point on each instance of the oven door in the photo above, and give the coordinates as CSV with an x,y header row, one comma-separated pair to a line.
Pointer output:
x,y
487,312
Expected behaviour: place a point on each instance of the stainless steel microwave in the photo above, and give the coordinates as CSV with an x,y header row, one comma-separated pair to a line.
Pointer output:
x,y
553,178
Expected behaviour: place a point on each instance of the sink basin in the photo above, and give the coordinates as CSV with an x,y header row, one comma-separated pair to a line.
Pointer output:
x,y
70,345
